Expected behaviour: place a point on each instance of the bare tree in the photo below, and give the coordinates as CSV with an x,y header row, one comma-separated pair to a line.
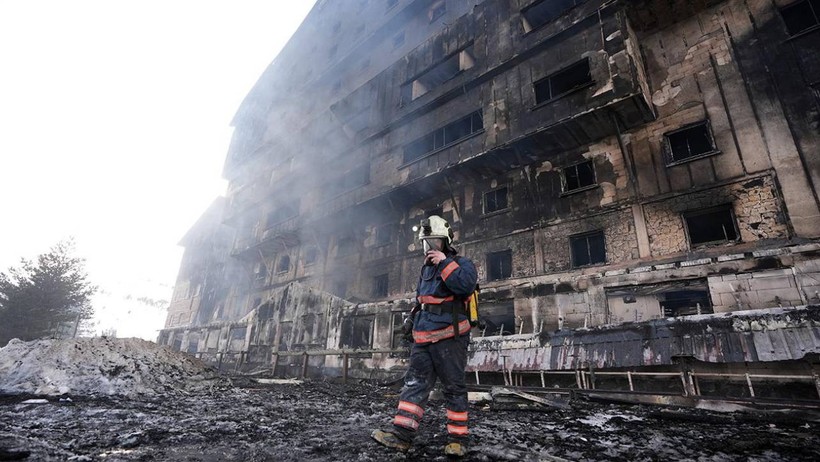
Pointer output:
x,y
48,297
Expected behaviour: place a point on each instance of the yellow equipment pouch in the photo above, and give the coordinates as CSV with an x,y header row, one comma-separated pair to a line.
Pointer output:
x,y
472,307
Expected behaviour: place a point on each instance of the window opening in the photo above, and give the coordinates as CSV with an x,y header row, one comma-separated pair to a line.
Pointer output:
x,y
238,333
685,303
383,235
357,332
498,317
499,265
562,82
437,10
438,74
345,246
340,288
495,200
579,176
801,16
444,137
690,142
261,273
280,215
351,180
545,11
713,225
380,285
284,264
285,331
588,249
398,40
397,334
310,255
308,327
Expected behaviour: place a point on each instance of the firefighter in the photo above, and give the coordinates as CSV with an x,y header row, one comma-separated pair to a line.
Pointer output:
x,y
441,334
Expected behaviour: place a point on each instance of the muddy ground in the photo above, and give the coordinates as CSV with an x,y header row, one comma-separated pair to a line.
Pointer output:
x,y
322,421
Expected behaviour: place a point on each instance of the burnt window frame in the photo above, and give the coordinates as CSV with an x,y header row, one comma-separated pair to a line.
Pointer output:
x,y
495,191
346,243
439,135
437,10
493,314
398,40
339,288
278,216
537,4
285,335
260,275
566,191
549,78
349,325
383,235
814,9
279,262
354,178
586,236
381,285
674,307
507,253
237,333
669,155
708,211
314,251
309,327
396,333
466,53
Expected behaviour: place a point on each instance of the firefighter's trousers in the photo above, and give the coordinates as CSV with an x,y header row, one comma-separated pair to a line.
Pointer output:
x,y
444,360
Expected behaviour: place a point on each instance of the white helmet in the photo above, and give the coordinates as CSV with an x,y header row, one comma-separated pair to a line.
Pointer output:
x,y
435,227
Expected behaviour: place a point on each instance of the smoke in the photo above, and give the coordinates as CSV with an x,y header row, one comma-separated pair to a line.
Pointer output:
x,y
311,143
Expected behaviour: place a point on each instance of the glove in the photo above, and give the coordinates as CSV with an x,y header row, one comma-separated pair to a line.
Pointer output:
x,y
407,330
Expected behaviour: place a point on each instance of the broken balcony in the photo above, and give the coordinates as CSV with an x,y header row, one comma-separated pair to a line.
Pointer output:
x,y
273,239
587,83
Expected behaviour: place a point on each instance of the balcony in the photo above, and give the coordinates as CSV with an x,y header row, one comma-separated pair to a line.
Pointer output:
x,y
275,239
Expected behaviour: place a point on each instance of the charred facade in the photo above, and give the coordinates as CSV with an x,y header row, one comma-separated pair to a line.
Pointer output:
x,y
602,163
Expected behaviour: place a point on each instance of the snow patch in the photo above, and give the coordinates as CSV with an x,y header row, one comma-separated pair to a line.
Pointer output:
x,y
601,420
101,366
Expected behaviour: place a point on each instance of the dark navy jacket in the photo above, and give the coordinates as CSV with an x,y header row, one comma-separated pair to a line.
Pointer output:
x,y
454,277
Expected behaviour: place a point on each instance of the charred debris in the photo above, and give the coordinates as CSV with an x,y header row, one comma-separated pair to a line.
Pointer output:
x,y
635,180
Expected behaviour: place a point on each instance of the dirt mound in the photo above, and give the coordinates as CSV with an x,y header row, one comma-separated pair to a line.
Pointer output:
x,y
101,366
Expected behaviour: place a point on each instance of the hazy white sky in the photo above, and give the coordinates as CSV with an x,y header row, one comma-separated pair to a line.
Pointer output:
x,y
114,124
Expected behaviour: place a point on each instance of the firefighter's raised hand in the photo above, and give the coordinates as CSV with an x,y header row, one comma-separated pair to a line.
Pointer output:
x,y
435,257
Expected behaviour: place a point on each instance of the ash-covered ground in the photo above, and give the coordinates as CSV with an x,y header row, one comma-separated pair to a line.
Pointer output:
x,y
127,400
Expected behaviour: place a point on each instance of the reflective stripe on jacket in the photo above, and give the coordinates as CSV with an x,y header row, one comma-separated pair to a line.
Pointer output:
x,y
453,279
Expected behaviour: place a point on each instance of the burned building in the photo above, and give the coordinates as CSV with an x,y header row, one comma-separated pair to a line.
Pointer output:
x,y
604,163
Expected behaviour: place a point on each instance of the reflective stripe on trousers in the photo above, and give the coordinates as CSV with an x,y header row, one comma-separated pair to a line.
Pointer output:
x,y
445,361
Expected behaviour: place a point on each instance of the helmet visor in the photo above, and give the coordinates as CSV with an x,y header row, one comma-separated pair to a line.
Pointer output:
x,y
432,244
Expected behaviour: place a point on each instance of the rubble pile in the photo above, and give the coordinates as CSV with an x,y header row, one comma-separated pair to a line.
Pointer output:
x,y
101,366
321,421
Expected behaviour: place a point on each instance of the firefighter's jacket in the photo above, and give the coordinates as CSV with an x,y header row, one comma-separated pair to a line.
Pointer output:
x,y
451,281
